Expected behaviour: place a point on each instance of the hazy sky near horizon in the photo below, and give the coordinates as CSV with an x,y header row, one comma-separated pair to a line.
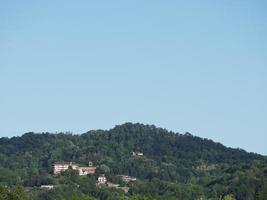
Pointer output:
x,y
196,66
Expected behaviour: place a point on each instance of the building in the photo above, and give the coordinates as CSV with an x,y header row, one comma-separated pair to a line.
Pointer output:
x,y
63,166
87,170
47,187
137,153
102,179
126,178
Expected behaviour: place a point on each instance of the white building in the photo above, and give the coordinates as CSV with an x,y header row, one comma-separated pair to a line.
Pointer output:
x,y
137,153
47,187
126,178
102,179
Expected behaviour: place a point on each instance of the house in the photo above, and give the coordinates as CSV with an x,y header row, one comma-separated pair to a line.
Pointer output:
x,y
87,170
101,179
63,166
137,153
126,178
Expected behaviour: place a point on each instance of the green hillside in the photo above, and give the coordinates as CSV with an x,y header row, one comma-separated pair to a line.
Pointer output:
x,y
173,165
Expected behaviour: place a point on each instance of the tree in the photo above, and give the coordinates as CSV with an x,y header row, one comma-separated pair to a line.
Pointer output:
x,y
229,197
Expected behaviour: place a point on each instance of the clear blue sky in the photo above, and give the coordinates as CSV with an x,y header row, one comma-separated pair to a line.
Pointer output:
x,y
196,66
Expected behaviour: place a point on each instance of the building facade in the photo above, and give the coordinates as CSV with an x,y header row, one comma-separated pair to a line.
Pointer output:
x,y
63,166
101,179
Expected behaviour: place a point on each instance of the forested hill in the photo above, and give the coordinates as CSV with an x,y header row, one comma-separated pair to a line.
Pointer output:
x,y
116,145
167,156
162,144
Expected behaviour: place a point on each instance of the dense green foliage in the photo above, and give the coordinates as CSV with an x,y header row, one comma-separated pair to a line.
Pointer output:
x,y
174,166
15,193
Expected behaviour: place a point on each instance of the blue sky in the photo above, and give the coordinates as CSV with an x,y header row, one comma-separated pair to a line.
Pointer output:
x,y
196,66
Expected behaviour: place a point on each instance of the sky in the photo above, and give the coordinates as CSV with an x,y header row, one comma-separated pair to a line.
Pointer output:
x,y
196,66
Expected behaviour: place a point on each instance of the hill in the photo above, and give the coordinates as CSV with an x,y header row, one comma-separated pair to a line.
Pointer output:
x,y
173,165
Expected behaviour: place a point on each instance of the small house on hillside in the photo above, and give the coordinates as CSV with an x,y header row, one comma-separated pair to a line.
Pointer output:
x,y
47,187
137,153
101,179
126,178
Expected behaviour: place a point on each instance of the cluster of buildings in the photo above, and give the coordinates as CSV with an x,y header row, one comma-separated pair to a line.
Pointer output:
x,y
59,167
102,180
